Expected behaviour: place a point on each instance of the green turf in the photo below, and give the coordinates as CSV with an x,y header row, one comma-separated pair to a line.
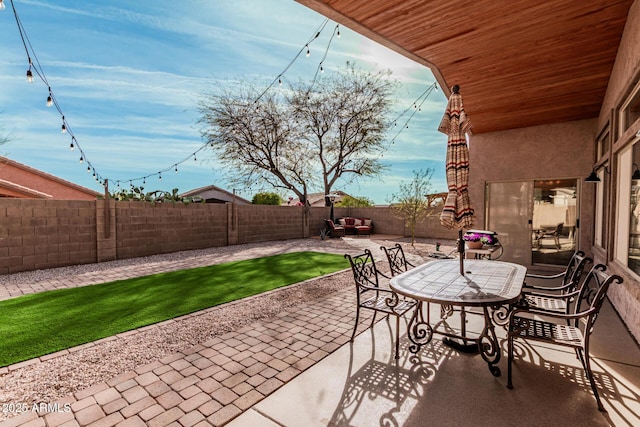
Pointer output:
x,y
38,324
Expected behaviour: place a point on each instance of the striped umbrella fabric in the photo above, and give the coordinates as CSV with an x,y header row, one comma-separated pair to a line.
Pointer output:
x,y
457,212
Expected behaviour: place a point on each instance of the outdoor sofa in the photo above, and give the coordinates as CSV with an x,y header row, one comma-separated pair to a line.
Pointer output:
x,y
358,226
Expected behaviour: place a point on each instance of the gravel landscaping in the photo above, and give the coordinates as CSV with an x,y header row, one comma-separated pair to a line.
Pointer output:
x,y
52,377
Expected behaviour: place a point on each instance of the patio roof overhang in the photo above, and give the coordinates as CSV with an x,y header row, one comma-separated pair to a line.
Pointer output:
x,y
519,64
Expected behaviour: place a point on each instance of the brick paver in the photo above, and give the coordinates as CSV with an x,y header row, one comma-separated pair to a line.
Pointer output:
x,y
219,385
213,382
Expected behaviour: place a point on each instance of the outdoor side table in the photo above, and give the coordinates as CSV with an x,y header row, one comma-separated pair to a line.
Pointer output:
x,y
486,284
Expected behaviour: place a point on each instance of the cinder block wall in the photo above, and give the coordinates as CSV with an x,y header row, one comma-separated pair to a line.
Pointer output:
x,y
38,234
262,223
385,222
144,229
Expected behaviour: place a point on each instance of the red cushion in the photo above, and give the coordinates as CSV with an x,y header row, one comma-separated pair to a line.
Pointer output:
x,y
349,221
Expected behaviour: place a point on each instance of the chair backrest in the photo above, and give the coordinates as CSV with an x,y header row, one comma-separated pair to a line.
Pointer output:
x,y
397,261
558,229
574,271
592,294
364,270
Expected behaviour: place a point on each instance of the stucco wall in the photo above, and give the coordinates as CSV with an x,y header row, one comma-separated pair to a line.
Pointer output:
x,y
563,150
625,74
42,183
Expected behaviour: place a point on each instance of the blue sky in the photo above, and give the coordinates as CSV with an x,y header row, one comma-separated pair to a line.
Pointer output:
x,y
128,76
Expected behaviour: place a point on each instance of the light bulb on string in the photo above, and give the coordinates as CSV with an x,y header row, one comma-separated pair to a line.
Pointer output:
x,y
176,167
72,146
195,159
64,126
2,6
29,75
88,169
338,29
49,100
308,51
159,176
81,159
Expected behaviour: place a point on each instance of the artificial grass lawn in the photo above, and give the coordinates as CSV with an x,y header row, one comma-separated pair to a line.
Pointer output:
x,y
38,324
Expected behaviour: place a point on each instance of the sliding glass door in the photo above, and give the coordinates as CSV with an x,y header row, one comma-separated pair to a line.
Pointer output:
x,y
535,220
509,209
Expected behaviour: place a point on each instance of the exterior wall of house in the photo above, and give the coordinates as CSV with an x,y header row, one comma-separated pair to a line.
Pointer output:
x,y
562,150
43,183
624,76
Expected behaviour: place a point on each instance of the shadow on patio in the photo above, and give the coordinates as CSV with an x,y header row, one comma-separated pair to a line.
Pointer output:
x,y
360,384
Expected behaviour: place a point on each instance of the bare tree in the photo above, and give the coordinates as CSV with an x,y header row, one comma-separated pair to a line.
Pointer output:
x,y
344,121
308,138
411,203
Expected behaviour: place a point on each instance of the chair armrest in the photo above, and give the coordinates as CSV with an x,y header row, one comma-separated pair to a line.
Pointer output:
x,y
383,275
571,316
555,296
541,276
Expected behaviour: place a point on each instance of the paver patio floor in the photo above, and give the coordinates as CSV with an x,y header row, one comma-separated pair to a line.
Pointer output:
x,y
296,369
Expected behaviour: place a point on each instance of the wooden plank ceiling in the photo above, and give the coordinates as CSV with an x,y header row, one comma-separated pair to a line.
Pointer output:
x,y
519,63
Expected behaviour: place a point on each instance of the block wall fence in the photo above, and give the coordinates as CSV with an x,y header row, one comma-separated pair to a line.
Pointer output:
x,y
39,234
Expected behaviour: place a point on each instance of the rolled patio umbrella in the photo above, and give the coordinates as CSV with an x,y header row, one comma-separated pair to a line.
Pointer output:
x,y
457,212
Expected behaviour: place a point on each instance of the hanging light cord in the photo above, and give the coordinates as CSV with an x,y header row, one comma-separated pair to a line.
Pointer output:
x,y
52,100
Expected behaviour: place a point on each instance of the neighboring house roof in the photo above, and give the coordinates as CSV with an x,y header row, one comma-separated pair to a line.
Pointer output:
x,y
213,194
21,181
315,199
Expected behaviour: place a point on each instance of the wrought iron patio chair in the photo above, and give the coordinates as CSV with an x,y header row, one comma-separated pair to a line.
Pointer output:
x,y
397,261
557,299
552,234
525,323
371,296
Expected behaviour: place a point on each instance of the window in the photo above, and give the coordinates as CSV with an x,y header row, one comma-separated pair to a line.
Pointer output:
x,y
634,220
602,144
601,208
630,110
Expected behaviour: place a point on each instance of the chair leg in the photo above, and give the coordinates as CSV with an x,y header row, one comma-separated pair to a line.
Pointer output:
x,y
397,337
586,362
355,326
375,313
509,360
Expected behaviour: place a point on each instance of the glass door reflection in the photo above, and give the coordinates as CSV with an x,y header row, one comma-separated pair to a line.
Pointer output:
x,y
553,237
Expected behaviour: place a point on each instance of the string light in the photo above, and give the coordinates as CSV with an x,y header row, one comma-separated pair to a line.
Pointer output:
x,y
51,99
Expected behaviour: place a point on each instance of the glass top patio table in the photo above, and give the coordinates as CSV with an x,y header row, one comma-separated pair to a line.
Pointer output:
x,y
485,282
491,285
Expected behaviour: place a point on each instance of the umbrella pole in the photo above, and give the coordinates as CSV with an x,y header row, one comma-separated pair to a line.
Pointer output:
x,y
461,251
